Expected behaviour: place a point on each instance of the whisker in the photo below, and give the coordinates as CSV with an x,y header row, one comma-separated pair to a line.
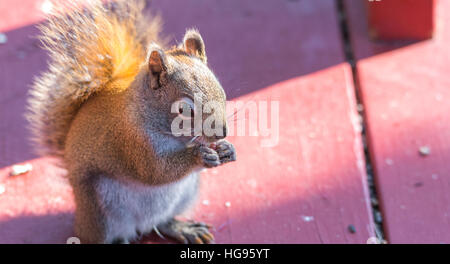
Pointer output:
x,y
190,143
193,139
238,119
241,108
201,140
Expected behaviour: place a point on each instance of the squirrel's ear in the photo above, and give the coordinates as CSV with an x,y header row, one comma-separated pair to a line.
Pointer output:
x,y
156,59
157,64
194,45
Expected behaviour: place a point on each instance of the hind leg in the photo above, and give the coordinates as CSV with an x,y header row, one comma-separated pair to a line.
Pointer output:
x,y
101,218
89,223
187,232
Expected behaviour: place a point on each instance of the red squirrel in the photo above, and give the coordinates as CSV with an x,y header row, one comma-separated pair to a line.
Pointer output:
x,y
104,107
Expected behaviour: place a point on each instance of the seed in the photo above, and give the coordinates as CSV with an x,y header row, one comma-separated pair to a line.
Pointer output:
x,y
374,201
424,150
378,217
359,107
389,161
47,7
3,38
351,229
307,218
21,169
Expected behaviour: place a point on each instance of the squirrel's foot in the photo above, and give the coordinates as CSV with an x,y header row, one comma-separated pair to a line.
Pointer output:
x,y
187,232
226,151
209,157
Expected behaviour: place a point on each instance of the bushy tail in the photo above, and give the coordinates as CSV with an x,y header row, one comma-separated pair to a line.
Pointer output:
x,y
97,47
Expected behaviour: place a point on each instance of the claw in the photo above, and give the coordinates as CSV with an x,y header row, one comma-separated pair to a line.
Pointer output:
x,y
201,224
158,233
187,232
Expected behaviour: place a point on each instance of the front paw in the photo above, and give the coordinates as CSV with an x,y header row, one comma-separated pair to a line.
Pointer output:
x,y
226,151
209,157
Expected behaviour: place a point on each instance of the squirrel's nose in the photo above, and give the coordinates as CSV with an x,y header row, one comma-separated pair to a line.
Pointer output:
x,y
224,134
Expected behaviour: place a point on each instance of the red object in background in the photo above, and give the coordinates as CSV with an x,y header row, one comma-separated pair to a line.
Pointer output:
x,y
401,19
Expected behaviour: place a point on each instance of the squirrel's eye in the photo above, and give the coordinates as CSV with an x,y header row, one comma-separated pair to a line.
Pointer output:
x,y
185,108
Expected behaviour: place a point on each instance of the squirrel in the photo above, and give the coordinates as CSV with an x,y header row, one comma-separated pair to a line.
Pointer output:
x,y
104,107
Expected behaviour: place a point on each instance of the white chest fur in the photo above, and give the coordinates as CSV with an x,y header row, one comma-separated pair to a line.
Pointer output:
x,y
130,207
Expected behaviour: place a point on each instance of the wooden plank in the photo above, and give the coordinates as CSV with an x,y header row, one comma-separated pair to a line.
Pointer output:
x,y
36,207
30,11
401,19
307,189
253,46
21,58
405,93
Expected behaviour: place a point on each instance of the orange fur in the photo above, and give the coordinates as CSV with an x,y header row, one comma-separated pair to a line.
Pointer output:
x,y
123,54
96,48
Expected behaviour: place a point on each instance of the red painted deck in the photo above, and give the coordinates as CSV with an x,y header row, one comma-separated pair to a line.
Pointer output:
x,y
406,97
312,185
275,191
